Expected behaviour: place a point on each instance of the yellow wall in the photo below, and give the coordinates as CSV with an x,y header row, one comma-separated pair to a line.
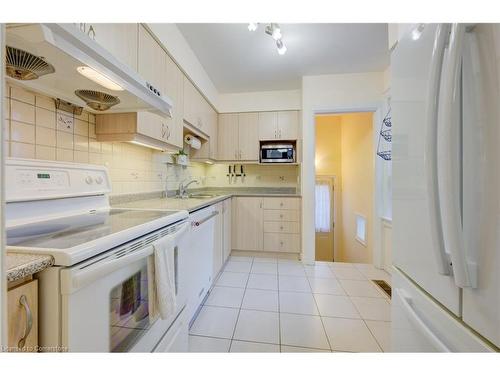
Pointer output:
x,y
344,148
357,184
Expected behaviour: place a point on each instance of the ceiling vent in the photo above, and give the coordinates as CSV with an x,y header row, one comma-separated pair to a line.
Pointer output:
x,y
24,66
100,101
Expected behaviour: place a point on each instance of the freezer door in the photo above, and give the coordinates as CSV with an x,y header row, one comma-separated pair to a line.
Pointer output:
x,y
420,324
481,178
418,247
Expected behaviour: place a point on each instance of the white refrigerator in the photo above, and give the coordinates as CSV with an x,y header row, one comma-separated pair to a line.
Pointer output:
x,y
445,83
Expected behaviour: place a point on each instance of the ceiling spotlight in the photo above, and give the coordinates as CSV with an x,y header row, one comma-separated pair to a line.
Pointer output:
x,y
276,32
281,47
252,26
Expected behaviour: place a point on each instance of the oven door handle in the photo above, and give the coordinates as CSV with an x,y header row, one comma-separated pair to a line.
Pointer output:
x,y
99,270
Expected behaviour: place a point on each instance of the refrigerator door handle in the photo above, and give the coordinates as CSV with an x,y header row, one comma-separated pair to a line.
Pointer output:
x,y
449,192
407,305
432,107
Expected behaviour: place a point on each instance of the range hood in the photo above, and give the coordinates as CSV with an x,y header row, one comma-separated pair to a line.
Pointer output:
x,y
65,48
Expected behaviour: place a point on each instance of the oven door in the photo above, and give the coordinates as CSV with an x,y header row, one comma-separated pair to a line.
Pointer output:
x,y
109,303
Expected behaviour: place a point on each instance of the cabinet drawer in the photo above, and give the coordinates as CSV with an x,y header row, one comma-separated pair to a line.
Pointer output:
x,y
281,215
282,203
281,227
286,243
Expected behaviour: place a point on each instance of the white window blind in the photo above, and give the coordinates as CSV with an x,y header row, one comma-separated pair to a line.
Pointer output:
x,y
323,206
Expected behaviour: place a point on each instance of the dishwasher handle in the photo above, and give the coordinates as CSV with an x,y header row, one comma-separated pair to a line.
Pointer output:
x,y
205,219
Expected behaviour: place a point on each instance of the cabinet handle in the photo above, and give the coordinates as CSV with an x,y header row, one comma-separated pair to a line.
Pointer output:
x,y
281,228
275,134
91,31
240,154
281,204
279,133
281,216
23,301
281,243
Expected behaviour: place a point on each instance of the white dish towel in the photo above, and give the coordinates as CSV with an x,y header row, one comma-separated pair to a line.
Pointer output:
x,y
164,257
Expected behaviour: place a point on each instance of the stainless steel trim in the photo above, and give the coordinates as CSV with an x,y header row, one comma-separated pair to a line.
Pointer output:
x,y
277,145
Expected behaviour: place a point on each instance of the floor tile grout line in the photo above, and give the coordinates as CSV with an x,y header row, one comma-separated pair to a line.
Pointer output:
x,y
239,311
321,319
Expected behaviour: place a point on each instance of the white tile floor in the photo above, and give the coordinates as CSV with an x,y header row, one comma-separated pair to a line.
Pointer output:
x,y
275,305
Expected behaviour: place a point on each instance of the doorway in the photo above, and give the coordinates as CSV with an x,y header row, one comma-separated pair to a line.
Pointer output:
x,y
344,188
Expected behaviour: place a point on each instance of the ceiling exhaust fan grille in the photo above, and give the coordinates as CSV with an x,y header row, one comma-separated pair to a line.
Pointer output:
x,y
100,101
25,66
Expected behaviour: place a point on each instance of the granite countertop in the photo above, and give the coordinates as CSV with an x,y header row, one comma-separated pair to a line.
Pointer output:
x,y
193,204
20,265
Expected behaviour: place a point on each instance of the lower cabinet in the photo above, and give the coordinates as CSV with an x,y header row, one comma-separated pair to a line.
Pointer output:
x,y
22,317
248,223
266,224
222,238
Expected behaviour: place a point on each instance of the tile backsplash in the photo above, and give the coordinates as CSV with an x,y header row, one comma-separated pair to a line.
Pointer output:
x,y
35,129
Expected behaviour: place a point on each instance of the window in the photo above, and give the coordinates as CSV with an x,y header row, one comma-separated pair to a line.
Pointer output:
x,y
361,229
323,206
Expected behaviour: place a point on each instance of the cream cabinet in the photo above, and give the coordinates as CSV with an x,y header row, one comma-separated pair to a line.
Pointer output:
x,y
267,224
282,125
196,108
120,39
228,136
218,255
142,127
248,223
151,61
227,229
268,126
22,317
174,89
238,137
248,136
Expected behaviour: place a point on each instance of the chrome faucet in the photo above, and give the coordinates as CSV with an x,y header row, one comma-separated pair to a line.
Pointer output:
x,y
183,188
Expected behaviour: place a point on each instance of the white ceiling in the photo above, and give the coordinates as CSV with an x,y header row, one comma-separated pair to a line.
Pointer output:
x,y
238,60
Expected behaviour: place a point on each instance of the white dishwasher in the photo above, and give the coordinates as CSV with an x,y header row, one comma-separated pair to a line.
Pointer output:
x,y
200,258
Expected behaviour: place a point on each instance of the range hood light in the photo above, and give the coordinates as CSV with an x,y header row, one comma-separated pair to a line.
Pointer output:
x,y
98,78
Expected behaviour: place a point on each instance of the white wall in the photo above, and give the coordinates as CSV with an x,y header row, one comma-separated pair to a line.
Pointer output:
x,y
260,101
179,49
327,94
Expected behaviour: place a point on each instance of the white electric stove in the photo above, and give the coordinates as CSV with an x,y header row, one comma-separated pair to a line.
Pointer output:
x,y
100,295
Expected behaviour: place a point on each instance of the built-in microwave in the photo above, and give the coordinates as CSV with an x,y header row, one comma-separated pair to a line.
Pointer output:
x,y
277,153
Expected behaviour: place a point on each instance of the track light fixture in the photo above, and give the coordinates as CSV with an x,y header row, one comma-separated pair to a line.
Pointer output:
x,y
274,30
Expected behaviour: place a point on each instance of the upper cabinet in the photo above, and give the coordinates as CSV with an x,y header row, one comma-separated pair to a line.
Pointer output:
x,y
174,88
151,61
283,125
239,136
120,39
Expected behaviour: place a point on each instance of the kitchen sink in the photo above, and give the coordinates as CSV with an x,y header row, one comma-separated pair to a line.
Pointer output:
x,y
202,196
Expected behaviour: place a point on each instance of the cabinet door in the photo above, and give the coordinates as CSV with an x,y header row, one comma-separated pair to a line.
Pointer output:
x,y
194,106
120,39
150,124
151,60
227,230
174,84
22,317
228,136
248,136
268,126
218,256
248,230
288,125
214,133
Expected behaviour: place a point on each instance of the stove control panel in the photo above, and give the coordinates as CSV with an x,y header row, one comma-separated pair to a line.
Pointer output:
x,y
36,180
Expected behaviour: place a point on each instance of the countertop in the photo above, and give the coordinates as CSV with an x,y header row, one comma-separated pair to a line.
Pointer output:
x,y
193,204
20,265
